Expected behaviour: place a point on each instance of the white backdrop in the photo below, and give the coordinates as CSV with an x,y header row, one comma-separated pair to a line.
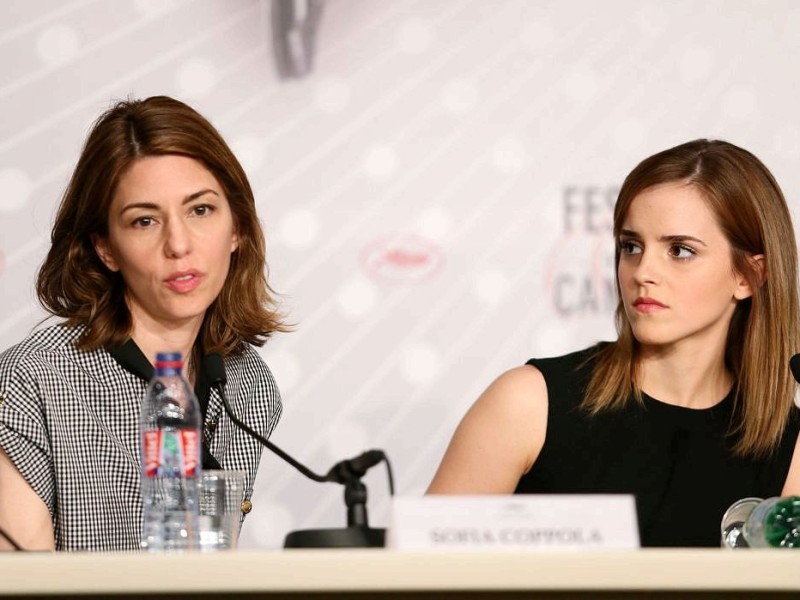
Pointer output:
x,y
436,193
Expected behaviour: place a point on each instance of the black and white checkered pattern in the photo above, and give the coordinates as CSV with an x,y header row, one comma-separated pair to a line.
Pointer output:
x,y
69,421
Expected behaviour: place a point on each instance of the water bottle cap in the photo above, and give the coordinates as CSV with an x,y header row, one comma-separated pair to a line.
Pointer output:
x,y
169,360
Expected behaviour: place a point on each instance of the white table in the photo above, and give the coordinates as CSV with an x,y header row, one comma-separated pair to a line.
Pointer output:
x,y
678,573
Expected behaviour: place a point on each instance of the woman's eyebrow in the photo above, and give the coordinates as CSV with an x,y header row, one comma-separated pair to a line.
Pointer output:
x,y
198,194
154,206
681,238
664,238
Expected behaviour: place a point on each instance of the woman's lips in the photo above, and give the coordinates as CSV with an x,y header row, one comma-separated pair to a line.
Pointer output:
x,y
183,282
648,305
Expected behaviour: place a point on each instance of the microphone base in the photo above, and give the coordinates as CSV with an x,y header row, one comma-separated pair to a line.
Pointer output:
x,y
347,537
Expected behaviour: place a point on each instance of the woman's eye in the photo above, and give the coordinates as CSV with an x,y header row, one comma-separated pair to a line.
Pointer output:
x,y
143,222
628,247
679,251
201,210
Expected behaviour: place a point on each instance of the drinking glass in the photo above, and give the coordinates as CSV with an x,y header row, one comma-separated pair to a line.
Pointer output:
x,y
732,526
221,494
758,523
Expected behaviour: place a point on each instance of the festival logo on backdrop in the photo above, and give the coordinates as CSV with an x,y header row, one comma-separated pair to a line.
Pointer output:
x,y
402,259
579,272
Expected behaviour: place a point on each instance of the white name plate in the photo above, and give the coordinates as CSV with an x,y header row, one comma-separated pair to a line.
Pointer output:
x,y
523,522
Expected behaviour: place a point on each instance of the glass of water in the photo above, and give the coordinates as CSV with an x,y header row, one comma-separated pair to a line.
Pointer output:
x,y
221,494
732,526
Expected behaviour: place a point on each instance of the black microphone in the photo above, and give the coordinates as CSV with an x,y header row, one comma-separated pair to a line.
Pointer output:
x,y
347,472
794,365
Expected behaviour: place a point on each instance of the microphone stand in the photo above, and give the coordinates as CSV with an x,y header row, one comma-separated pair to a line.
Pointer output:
x,y
358,533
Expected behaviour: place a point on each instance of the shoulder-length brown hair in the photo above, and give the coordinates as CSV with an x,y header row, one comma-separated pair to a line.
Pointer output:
x,y
764,331
74,284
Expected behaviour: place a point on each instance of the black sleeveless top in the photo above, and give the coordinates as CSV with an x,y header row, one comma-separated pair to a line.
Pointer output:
x,y
676,461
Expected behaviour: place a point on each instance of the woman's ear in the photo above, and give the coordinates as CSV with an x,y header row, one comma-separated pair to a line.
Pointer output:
x,y
758,275
103,250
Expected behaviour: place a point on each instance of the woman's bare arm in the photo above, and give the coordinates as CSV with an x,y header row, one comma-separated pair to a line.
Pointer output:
x,y
499,438
23,514
791,486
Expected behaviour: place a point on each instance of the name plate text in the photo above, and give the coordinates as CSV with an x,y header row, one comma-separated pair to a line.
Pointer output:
x,y
514,522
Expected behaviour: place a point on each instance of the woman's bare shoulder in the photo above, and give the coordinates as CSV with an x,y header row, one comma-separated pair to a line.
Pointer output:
x,y
499,438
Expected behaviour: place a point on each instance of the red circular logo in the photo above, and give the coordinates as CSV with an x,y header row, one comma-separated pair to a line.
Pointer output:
x,y
402,259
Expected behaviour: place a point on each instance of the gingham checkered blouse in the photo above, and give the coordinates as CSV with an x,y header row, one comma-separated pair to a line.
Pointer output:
x,y
69,421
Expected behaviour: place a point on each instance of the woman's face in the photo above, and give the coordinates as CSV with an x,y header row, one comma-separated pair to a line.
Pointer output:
x,y
170,234
675,271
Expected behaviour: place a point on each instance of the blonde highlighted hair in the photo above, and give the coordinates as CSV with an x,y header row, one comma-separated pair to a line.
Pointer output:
x,y
764,331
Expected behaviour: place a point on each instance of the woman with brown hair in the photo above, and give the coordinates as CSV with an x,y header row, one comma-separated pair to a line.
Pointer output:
x,y
156,246
691,408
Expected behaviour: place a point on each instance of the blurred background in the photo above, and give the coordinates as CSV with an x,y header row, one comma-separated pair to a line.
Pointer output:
x,y
435,179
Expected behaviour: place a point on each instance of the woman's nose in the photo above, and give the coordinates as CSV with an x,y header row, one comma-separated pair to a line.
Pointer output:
x,y
177,239
646,270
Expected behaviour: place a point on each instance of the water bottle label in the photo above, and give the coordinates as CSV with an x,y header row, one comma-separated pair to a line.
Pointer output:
x,y
171,453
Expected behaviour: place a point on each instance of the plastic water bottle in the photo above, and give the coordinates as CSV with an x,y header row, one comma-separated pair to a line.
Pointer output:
x,y
759,523
171,460
774,523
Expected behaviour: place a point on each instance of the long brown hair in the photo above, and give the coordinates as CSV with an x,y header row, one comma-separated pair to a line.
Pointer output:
x,y
74,284
764,332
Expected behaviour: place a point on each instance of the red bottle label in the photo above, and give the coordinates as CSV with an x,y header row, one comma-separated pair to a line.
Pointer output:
x,y
191,450
171,453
